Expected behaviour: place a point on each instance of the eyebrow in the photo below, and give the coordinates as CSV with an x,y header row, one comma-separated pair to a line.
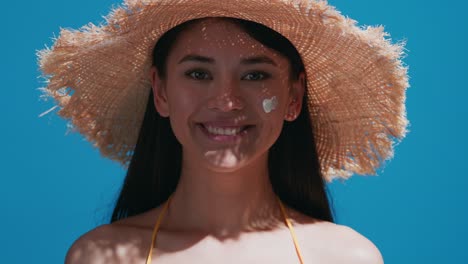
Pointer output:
x,y
244,61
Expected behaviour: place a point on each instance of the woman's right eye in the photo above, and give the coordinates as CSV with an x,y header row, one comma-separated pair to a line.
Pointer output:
x,y
198,75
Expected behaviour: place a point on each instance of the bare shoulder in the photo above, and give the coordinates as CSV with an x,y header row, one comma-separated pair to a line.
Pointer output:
x,y
343,244
124,241
92,246
357,248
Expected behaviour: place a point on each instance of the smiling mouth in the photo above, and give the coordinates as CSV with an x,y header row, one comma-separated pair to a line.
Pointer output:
x,y
224,133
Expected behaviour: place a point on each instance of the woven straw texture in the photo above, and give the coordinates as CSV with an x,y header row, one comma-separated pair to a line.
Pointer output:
x,y
99,76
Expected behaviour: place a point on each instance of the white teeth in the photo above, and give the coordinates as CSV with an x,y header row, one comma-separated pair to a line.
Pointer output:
x,y
223,131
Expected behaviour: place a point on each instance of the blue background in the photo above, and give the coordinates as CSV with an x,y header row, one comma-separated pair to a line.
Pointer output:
x,y
56,187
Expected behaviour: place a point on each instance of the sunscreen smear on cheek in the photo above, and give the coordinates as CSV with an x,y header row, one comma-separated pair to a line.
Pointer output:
x,y
270,104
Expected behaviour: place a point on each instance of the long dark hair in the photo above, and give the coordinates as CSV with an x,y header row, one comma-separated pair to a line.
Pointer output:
x,y
293,163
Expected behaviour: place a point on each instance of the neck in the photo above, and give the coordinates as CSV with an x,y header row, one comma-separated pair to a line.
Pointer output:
x,y
224,204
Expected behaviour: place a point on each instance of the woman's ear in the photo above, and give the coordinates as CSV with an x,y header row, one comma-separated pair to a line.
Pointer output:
x,y
159,93
295,98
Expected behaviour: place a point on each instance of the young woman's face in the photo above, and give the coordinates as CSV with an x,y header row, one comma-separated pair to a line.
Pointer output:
x,y
226,95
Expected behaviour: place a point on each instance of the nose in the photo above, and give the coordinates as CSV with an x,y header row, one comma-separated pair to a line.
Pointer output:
x,y
226,97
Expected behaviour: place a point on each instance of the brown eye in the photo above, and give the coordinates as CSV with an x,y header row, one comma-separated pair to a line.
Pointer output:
x,y
198,75
256,76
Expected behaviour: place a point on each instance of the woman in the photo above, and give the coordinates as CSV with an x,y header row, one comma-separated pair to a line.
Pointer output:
x,y
242,127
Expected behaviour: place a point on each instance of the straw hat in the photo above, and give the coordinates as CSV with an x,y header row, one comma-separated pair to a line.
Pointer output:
x,y
356,81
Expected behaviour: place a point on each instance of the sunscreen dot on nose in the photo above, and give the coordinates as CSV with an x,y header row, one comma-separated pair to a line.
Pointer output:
x,y
270,104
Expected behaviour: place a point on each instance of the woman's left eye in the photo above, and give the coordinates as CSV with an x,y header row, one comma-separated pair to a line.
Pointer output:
x,y
256,76
198,75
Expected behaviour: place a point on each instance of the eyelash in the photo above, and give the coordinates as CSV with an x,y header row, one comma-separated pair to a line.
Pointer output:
x,y
191,72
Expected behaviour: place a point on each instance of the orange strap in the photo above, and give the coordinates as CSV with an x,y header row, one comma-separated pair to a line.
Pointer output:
x,y
291,230
163,212
156,228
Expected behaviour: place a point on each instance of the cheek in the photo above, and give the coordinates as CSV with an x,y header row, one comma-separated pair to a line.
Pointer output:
x,y
182,97
271,109
182,104
271,102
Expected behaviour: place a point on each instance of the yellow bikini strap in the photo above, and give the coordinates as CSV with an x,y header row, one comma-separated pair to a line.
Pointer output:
x,y
163,212
291,230
155,230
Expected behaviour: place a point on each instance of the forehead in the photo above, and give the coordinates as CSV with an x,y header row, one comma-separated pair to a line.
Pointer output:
x,y
213,35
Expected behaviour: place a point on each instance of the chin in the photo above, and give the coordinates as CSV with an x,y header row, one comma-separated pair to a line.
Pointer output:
x,y
224,162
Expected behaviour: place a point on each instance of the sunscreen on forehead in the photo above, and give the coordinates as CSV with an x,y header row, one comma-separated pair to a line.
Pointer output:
x,y
270,104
